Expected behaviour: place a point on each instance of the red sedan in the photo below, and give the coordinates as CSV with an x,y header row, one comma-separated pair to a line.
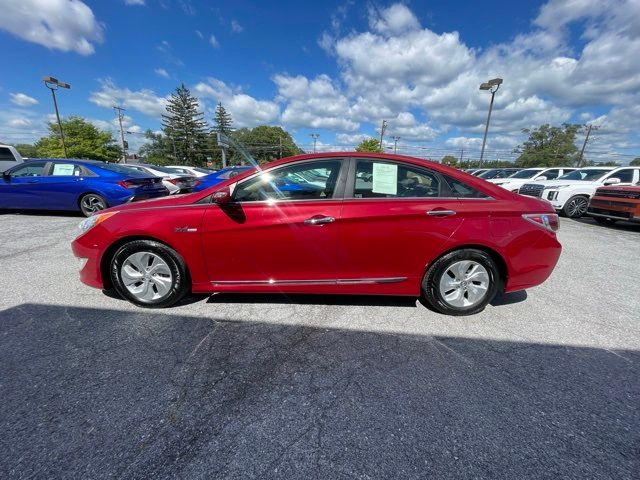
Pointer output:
x,y
327,223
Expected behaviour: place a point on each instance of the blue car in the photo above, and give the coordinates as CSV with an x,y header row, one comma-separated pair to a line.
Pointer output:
x,y
65,184
220,176
291,183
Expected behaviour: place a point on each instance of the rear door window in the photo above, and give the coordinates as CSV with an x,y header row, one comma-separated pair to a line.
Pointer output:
x,y
6,155
65,170
383,179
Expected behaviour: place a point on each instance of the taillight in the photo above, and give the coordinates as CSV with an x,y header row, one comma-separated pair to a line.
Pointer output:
x,y
548,221
173,180
197,182
127,184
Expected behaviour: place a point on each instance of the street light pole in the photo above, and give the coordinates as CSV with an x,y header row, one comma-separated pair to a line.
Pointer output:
x,y
395,144
492,86
53,84
383,127
315,139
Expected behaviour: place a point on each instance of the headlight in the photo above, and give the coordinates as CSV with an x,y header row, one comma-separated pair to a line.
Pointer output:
x,y
556,187
90,222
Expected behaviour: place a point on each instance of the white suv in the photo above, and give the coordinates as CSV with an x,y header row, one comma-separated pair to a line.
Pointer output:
x,y
570,193
515,181
9,157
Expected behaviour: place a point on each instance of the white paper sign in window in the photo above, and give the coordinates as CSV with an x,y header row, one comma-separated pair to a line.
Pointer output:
x,y
63,169
385,178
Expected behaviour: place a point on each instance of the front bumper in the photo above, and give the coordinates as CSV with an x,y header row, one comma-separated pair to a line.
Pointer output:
x,y
90,273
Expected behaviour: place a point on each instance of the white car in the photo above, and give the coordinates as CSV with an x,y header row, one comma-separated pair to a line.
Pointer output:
x,y
570,193
175,182
539,174
9,157
189,170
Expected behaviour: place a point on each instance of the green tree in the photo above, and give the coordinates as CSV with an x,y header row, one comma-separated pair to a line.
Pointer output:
x,y
449,160
184,124
548,146
635,161
158,149
83,140
222,121
369,145
264,143
27,150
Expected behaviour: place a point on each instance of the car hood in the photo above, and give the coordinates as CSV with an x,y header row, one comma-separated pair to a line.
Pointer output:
x,y
168,201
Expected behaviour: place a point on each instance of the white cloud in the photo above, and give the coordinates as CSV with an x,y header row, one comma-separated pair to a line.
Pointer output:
x,y
19,122
162,73
199,34
397,19
23,100
134,2
236,27
214,41
245,110
67,25
144,101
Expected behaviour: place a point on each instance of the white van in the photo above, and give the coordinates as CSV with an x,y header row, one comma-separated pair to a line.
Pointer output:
x,y
9,157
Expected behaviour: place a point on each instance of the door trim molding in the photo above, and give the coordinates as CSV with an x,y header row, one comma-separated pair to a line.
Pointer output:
x,y
352,281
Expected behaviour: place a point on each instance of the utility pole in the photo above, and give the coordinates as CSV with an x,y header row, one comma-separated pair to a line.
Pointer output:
x,y
124,145
461,154
53,84
382,130
395,144
584,145
280,144
315,139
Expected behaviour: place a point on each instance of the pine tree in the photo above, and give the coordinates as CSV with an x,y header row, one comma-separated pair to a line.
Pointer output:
x,y
184,124
223,123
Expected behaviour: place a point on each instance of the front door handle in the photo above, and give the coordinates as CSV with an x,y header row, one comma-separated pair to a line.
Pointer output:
x,y
441,213
319,220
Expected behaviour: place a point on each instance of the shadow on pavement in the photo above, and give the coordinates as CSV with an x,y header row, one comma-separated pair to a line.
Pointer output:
x,y
90,393
351,300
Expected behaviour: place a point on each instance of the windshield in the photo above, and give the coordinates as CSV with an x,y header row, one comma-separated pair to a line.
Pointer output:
x,y
490,173
160,168
529,173
587,175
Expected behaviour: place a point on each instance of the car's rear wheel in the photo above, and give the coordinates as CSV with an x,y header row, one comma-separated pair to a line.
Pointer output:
x,y
576,206
605,220
149,274
91,203
462,282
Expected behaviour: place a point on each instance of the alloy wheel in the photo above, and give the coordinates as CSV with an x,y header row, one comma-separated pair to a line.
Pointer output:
x,y
464,284
577,207
146,276
91,204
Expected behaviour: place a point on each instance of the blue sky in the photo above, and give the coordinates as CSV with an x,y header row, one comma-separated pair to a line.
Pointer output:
x,y
336,68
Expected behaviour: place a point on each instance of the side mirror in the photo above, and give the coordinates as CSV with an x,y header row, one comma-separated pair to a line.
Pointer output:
x,y
612,181
6,176
222,196
541,178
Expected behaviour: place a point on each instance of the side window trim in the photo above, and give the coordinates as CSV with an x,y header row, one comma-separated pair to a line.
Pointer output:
x,y
349,192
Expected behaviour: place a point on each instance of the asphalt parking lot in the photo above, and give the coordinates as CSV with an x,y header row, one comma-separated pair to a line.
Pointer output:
x,y
544,384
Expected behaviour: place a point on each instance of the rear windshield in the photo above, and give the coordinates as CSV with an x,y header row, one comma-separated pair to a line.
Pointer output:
x,y
114,167
160,168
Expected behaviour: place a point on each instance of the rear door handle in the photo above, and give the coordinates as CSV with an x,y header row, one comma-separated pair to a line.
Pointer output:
x,y
441,213
319,220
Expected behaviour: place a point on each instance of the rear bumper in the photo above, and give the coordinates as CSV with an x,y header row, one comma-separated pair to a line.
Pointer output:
x,y
533,262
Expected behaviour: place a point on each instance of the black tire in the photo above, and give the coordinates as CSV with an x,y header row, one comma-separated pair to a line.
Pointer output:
x,y
91,203
180,284
431,282
576,206
605,220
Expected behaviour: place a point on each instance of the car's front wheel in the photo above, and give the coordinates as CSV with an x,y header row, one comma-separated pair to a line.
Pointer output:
x,y
462,282
91,203
576,206
149,274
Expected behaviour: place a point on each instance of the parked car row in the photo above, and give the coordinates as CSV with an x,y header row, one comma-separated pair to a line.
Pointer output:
x,y
85,185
